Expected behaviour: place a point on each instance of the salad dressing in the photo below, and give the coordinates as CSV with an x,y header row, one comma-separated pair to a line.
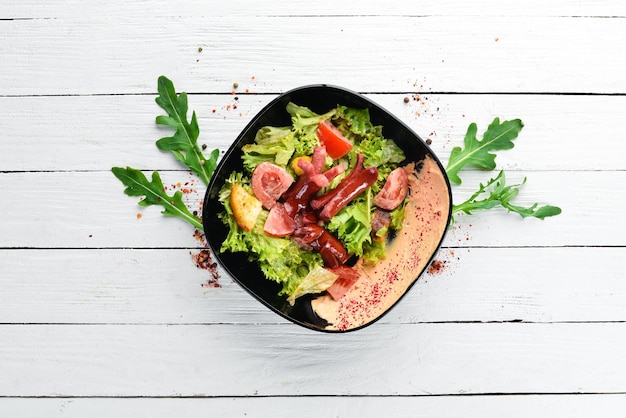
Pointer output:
x,y
381,285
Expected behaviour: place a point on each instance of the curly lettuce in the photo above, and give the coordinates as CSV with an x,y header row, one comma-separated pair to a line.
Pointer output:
x,y
280,259
271,144
304,125
353,226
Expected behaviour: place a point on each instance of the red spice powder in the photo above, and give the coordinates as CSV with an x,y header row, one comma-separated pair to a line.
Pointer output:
x,y
437,266
204,261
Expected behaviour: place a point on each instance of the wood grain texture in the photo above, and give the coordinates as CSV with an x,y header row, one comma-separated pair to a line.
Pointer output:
x,y
163,286
512,406
249,360
94,213
447,54
32,9
103,313
97,132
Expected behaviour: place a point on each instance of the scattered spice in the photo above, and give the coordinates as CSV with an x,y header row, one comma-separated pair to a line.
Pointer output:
x,y
436,266
406,99
139,215
204,261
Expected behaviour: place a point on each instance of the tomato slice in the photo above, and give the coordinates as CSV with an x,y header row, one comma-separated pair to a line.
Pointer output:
x,y
336,144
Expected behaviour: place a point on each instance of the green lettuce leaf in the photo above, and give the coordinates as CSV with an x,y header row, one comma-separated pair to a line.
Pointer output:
x,y
274,145
280,259
304,125
318,280
357,121
353,226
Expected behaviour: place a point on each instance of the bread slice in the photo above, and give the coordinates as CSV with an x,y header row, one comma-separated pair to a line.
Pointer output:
x,y
246,208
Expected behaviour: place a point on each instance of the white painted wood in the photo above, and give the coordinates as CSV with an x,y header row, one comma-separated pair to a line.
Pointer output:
x,y
447,54
98,132
101,312
251,360
511,406
124,286
192,8
89,209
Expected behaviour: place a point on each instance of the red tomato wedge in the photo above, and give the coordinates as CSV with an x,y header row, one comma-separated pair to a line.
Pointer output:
x,y
333,140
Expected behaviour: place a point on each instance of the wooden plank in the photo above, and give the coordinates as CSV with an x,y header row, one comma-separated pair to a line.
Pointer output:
x,y
165,287
512,406
89,210
284,360
190,8
98,132
449,54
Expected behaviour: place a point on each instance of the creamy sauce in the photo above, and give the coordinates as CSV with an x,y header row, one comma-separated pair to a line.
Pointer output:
x,y
382,284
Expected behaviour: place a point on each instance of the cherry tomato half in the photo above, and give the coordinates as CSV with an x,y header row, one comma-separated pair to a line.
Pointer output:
x,y
331,137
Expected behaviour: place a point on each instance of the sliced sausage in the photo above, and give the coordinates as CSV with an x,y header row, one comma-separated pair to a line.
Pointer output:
x,y
278,222
269,182
394,191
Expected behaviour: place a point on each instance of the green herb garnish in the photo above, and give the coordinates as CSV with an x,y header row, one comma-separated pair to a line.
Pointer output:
x,y
154,194
498,136
183,145
499,194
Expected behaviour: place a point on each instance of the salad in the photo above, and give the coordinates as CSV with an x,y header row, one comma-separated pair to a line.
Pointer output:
x,y
314,197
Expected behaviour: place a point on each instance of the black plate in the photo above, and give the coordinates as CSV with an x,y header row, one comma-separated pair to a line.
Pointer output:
x,y
320,99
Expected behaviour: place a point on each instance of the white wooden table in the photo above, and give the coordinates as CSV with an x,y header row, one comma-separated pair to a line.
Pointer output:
x,y
103,313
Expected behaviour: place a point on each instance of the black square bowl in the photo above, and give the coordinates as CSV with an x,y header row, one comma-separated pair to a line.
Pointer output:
x,y
319,98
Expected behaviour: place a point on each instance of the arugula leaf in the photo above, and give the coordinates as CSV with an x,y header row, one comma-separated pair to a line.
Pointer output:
x,y
184,143
498,136
138,185
501,194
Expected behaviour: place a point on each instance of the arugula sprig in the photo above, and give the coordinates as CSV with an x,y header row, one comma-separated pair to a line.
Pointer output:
x,y
498,193
154,194
498,136
183,145
477,153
